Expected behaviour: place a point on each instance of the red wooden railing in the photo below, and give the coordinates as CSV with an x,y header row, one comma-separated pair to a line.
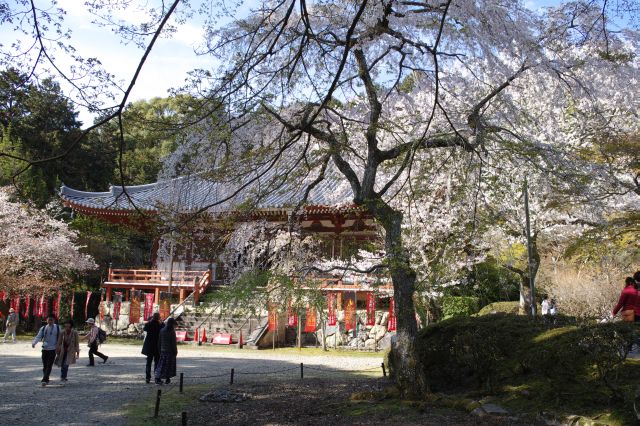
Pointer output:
x,y
141,278
154,276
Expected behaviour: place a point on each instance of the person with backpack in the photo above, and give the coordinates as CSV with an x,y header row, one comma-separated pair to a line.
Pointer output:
x,y
48,335
67,349
166,368
151,345
94,338
12,323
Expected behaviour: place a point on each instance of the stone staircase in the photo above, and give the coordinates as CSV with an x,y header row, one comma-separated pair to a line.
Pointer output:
x,y
189,320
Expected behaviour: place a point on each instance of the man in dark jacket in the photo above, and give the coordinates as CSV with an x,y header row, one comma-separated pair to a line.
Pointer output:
x,y
151,346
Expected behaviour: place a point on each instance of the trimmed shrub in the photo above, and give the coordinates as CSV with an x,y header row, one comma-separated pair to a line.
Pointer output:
x,y
459,306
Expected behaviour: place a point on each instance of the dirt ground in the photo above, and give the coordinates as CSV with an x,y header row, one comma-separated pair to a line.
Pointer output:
x,y
320,401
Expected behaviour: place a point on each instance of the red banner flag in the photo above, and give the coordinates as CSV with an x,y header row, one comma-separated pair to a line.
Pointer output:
x,y
273,316
391,326
40,311
102,309
292,317
27,305
117,302
148,305
371,309
349,300
310,321
331,308
72,304
3,296
165,305
45,306
134,307
15,304
56,306
86,305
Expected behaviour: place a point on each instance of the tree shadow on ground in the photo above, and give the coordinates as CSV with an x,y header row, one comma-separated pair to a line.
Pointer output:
x,y
277,395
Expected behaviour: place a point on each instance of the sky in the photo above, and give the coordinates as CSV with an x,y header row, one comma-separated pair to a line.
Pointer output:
x,y
169,62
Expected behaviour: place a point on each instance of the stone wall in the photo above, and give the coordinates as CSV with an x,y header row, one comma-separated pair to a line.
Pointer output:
x,y
122,325
368,337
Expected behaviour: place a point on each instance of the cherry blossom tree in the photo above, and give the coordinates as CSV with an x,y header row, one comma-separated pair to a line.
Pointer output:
x,y
366,91
37,253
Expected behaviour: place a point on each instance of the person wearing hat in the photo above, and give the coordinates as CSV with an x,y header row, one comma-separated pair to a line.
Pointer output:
x,y
92,339
48,335
12,323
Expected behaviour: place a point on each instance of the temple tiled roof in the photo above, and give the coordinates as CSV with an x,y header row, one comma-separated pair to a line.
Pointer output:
x,y
194,193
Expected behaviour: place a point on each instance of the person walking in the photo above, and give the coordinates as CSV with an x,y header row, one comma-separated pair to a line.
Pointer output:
x,y
12,323
151,345
544,306
166,368
48,335
627,301
92,339
67,349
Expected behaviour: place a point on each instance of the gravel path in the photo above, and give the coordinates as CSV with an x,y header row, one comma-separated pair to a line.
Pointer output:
x,y
97,395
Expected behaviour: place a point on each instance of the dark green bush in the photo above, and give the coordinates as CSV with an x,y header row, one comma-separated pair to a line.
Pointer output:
x,y
564,365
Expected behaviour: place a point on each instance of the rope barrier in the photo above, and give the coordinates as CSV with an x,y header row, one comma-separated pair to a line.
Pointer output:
x,y
261,373
207,377
336,370
166,390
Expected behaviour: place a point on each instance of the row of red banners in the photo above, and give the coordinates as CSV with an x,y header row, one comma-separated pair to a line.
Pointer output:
x,y
350,317
310,322
41,305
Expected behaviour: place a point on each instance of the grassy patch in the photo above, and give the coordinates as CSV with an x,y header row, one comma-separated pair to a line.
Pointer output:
x,y
500,307
172,404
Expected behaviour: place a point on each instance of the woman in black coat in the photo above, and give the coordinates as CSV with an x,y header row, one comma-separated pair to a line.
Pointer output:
x,y
166,368
151,345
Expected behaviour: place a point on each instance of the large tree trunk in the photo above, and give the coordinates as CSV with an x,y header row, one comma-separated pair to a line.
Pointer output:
x,y
525,295
407,368
525,283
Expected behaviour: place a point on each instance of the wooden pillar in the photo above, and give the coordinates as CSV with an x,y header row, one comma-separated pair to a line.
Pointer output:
x,y
157,297
181,295
126,295
108,294
196,291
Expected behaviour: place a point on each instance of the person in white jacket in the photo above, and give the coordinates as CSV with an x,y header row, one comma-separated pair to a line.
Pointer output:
x,y
48,335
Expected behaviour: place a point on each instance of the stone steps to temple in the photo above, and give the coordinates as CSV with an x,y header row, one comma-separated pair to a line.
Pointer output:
x,y
213,324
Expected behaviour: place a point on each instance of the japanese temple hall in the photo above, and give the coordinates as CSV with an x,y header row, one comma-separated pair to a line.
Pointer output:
x,y
328,213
